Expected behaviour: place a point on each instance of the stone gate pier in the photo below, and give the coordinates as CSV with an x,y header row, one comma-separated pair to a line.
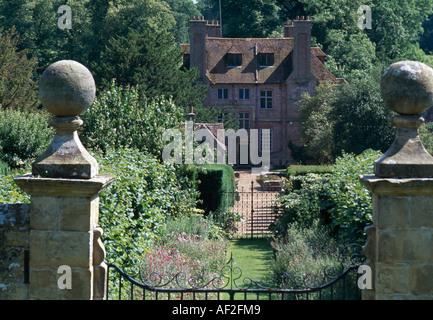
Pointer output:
x,y
399,247
66,255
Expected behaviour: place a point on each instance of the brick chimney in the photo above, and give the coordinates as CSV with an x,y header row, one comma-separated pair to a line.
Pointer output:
x,y
213,29
200,29
288,30
301,48
197,46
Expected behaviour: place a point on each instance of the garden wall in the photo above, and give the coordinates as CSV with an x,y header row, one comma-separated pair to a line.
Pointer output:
x,y
14,248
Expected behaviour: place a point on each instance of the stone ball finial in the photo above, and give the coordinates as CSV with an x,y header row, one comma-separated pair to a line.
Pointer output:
x,y
407,87
67,88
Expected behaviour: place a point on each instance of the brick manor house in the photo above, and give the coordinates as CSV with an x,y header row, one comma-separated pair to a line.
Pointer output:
x,y
259,79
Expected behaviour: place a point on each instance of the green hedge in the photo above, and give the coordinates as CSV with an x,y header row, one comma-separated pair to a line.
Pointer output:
x,y
216,184
304,170
295,174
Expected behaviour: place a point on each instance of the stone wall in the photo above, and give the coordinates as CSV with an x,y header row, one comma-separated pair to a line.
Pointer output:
x,y
14,246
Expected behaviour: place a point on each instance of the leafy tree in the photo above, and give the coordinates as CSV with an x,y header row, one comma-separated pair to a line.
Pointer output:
x,y
121,118
182,11
151,60
317,126
17,89
397,25
349,117
361,120
243,19
37,22
350,53
426,39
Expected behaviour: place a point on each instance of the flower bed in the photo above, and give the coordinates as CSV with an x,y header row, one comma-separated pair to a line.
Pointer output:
x,y
182,259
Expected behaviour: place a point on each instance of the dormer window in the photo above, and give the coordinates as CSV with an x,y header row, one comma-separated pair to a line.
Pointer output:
x,y
234,60
266,59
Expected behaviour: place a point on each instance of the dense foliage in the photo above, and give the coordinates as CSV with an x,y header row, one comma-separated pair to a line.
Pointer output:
x,y
350,117
338,199
308,255
132,49
352,210
306,200
122,117
134,208
17,88
24,135
152,60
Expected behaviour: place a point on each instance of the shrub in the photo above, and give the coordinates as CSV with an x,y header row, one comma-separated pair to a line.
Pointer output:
x,y
190,252
303,170
195,224
23,136
134,208
120,117
195,259
4,168
353,204
10,193
304,204
306,254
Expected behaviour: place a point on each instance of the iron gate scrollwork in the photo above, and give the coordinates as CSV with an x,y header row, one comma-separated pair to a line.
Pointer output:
x,y
336,282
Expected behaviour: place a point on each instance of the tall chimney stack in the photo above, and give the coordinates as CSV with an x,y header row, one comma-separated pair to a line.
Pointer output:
x,y
197,46
302,48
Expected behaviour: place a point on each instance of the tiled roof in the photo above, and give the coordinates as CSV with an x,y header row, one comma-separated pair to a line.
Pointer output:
x,y
319,71
249,72
212,128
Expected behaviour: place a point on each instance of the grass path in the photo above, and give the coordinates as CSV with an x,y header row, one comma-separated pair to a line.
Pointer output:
x,y
253,257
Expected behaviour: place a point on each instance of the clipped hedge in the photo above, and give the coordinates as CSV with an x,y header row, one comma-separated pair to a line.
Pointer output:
x,y
304,170
216,184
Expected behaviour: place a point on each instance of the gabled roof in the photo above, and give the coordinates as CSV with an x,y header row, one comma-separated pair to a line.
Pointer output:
x,y
250,72
234,50
263,48
212,129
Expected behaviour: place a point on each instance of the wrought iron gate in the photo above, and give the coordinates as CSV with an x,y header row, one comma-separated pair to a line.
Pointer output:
x,y
336,283
257,207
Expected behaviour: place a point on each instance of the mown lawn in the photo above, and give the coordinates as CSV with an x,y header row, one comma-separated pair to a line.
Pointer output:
x,y
253,257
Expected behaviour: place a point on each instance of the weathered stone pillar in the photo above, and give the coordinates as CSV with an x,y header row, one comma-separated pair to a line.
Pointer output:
x,y
66,254
399,248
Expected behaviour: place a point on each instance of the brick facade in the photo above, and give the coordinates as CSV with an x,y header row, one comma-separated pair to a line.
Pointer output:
x,y
260,79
